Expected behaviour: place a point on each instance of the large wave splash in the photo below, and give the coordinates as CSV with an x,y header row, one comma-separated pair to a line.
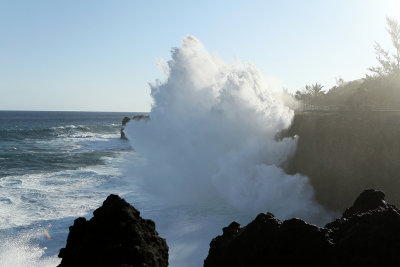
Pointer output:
x,y
211,139
21,250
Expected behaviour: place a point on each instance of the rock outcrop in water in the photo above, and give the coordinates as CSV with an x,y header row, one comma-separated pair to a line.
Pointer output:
x,y
125,120
368,234
115,236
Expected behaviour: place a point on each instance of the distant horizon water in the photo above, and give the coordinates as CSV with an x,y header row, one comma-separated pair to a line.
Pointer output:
x,y
98,111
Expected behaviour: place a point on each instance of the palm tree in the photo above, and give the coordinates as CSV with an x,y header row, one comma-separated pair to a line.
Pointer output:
x,y
389,63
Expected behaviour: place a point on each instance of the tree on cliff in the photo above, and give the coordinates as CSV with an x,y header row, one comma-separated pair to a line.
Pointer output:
x,y
389,62
310,95
310,91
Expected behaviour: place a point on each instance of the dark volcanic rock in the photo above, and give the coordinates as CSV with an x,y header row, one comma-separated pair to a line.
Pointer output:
x,y
141,117
345,152
125,120
368,234
115,236
268,241
368,200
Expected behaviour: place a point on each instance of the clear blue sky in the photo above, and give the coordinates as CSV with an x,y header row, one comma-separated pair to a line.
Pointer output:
x,y
100,55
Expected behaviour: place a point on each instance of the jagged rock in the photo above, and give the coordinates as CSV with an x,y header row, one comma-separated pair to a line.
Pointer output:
x,y
123,136
141,117
368,234
268,241
368,200
125,120
115,236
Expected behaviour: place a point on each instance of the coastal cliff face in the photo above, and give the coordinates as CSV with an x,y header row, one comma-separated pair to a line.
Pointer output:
x,y
345,152
368,234
115,236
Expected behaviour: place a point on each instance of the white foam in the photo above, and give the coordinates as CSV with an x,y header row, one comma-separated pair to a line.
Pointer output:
x,y
46,196
211,141
212,134
20,251
30,201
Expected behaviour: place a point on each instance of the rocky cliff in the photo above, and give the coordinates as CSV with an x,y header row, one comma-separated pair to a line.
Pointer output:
x,y
345,152
368,234
115,236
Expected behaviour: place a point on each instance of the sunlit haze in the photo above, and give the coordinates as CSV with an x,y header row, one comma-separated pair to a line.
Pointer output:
x,y
101,55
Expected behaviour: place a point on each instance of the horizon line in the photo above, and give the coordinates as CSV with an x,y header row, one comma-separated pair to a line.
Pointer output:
x,y
26,110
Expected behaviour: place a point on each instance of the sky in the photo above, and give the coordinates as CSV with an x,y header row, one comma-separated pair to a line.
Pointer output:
x,y
99,55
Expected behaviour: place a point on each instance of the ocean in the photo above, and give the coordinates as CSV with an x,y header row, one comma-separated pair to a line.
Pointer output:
x,y
58,166
207,156
54,167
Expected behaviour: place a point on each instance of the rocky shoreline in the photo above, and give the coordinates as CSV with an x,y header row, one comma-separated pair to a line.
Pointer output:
x,y
115,236
368,233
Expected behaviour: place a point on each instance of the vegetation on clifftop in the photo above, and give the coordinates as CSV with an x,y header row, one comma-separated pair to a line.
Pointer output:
x,y
380,89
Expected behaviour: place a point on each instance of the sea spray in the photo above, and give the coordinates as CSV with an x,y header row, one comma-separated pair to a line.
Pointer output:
x,y
211,141
23,250
54,167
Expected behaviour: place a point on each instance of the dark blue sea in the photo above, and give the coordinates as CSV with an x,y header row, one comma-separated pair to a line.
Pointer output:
x,y
54,167
58,166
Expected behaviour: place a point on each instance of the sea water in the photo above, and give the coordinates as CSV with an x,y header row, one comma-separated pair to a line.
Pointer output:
x,y
208,156
54,167
58,166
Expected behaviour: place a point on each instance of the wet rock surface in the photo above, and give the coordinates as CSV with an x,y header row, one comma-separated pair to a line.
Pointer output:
x,y
115,236
368,234
125,120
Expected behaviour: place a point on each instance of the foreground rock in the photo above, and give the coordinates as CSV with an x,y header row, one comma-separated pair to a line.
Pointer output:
x,y
368,234
115,236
